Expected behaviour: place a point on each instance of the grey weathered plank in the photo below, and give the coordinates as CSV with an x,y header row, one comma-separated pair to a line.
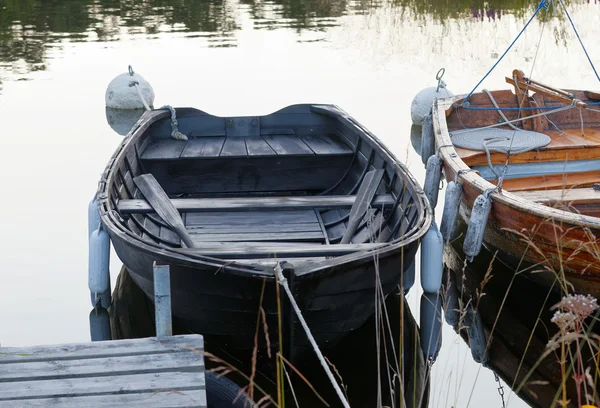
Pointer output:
x,y
93,367
257,236
252,203
241,218
100,349
372,229
152,229
258,147
365,195
164,149
324,144
167,234
163,399
249,250
161,204
253,227
123,384
203,147
234,146
286,145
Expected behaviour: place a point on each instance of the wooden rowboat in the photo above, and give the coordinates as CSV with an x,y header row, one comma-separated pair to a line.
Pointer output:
x,y
545,215
306,186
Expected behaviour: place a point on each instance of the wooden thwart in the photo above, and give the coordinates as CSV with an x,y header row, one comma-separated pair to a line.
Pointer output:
x,y
134,373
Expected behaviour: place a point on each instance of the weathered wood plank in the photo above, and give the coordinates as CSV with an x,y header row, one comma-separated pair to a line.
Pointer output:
x,y
239,250
164,149
203,147
565,195
122,384
100,349
251,227
286,145
365,195
234,146
241,219
93,367
258,147
251,203
325,144
163,399
200,238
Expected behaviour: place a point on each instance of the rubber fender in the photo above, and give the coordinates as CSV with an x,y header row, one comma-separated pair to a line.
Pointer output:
x,y
432,254
99,260
408,278
452,201
452,305
105,298
221,392
431,325
427,139
99,324
477,341
93,217
433,175
477,223
424,99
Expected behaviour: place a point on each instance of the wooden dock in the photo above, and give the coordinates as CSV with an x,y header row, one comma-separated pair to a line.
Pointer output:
x,y
151,372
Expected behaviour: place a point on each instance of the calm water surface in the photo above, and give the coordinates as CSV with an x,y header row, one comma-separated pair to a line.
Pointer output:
x,y
229,58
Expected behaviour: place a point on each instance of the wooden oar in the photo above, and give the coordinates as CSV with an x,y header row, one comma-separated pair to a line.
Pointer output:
x,y
160,202
364,196
523,84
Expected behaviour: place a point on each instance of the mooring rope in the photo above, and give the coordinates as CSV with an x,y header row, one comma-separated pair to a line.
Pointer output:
x,y
283,282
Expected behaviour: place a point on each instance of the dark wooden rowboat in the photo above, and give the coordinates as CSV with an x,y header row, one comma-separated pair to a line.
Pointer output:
x,y
306,185
545,216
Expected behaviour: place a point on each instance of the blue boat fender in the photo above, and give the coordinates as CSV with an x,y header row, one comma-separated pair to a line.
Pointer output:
x,y
452,305
99,324
93,217
408,278
452,201
432,254
430,334
427,139
477,223
99,259
433,175
477,341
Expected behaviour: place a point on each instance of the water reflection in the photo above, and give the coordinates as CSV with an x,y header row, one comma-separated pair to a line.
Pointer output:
x,y
30,28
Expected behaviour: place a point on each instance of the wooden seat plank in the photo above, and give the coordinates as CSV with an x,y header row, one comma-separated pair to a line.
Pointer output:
x,y
164,149
257,146
228,228
234,146
240,219
551,181
138,206
203,147
249,250
257,236
325,144
288,145
573,195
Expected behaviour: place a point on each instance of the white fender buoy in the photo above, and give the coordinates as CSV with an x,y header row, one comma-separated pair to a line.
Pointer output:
x,y
452,201
408,278
432,254
433,175
430,333
122,92
93,216
475,331
99,324
427,139
99,259
122,120
415,137
452,305
423,100
479,216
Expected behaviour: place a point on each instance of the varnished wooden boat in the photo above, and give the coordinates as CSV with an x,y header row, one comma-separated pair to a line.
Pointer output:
x,y
306,186
545,216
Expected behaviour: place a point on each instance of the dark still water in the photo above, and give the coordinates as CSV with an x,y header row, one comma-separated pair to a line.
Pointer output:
x,y
231,58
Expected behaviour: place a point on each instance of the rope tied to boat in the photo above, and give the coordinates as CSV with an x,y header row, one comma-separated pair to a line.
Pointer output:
x,y
175,133
135,83
284,283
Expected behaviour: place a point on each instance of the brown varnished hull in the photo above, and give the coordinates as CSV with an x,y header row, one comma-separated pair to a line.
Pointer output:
x,y
527,235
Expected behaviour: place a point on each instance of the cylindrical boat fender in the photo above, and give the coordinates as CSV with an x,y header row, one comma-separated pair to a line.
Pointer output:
x,y
452,201
475,331
424,99
408,278
99,260
430,334
432,254
99,324
433,176
105,298
427,139
452,305
93,216
477,223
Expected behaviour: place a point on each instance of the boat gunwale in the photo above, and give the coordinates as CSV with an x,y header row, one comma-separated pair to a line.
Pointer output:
x,y
452,159
110,217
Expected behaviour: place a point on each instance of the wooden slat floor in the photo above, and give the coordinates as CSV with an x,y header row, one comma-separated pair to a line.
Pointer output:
x,y
148,373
